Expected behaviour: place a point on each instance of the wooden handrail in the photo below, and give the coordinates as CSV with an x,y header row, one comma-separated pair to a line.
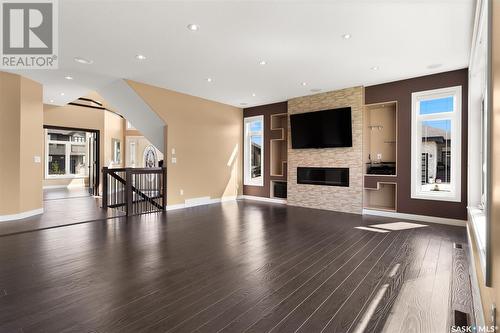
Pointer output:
x,y
124,189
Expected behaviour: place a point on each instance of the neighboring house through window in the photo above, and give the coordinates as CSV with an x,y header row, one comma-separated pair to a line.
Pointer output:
x,y
254,151
66,154
436,144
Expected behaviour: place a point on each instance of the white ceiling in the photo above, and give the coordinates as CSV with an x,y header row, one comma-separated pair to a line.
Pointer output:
x,y
301,41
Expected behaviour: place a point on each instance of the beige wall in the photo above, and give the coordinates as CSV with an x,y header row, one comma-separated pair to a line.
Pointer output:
x,y
344,199
113,129
140,145
75,117
205,136
21,139
109,125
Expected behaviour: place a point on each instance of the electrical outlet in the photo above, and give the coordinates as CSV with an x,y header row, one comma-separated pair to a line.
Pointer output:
x,y
182,191
174,160
379,156
37,159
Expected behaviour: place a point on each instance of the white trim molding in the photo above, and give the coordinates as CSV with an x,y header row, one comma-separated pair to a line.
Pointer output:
x,y
247,151
251,197
23,215
422,218
193,202
417,119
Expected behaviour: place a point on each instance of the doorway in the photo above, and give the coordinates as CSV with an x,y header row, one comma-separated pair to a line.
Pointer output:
x,y
72,158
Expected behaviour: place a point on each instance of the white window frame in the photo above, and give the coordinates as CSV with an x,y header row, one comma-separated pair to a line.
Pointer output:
x,y
455,194
247,179
67,150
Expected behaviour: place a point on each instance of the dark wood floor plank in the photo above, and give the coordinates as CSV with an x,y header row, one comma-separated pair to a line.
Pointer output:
x,y
333,274
319,309
340,316
348,317
225,267
162,320
410,260
73,296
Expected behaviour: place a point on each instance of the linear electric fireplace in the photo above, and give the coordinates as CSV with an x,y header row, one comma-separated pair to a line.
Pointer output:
x,y
323,176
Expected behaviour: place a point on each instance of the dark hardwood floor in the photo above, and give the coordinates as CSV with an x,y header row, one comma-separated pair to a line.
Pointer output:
x,y
233,267
65,193
61,206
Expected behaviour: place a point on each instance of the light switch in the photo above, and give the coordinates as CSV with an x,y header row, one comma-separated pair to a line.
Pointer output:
x,y
37,159
173,151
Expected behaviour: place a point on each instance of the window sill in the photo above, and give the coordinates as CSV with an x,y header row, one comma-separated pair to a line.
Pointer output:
x,y
435,197
478,229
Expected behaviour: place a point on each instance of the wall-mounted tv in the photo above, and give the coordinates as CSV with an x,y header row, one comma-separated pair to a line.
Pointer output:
x,y
322,129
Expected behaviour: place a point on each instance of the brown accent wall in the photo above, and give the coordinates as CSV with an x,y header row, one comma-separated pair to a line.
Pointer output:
x,y
401,91
266,111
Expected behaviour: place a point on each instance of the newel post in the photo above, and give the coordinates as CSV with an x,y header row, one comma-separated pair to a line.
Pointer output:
x,y
105,187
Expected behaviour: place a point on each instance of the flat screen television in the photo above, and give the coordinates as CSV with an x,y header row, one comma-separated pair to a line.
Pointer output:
x,y
322,129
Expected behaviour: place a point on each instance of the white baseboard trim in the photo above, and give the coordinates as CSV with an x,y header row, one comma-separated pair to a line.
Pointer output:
x,y
23,215
422,218
63,186
251,197
193,202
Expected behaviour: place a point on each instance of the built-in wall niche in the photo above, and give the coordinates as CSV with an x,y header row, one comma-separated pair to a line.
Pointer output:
x,y
381,198
380,139
278,143
278,189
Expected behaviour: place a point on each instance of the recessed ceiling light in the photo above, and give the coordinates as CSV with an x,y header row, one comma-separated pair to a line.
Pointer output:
x,y
375,68
209,79
193,27
83,61
62,94
140,57
67,77
51,101
315,90
304,84
346,36
253,95
262,62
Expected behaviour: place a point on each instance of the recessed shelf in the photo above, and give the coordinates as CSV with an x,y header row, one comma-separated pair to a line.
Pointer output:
x,y
381,198
278,189
279,146
380,137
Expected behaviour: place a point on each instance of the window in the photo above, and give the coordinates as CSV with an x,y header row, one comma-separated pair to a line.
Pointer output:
x,y
436,144
66,154
129,126
254,151
116,149
132,145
